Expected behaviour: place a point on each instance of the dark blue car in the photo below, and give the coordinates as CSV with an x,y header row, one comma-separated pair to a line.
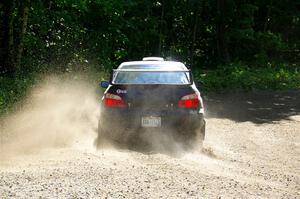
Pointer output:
x,y
151,95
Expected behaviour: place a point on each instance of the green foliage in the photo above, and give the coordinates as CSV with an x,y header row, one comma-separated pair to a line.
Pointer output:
x,y
65,34
240,77
12,90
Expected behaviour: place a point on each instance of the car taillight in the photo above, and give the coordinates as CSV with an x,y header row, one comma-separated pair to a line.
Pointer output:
x,y
189,101
112,100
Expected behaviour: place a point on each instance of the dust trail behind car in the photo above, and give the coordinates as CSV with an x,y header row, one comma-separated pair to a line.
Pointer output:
x,y
62,112
57,112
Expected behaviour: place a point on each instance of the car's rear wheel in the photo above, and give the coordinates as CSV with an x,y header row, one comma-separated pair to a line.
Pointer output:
x,y
202,131
114,135
101,136
192,138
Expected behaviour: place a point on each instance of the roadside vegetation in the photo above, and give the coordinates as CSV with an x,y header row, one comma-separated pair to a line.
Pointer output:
x,y
230,45
241,77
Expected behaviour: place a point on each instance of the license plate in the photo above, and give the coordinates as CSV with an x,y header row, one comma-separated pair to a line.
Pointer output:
x,y
151,121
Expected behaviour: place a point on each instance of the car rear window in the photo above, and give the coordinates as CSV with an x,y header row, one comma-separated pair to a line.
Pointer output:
x,y
151,77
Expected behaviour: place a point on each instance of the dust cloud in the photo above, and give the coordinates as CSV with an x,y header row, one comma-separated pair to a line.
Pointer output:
x,y
63,112
57,112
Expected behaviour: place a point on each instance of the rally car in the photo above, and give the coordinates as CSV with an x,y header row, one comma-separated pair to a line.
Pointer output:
x,y
150,95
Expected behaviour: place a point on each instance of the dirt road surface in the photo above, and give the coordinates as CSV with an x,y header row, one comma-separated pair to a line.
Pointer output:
x,y
252,150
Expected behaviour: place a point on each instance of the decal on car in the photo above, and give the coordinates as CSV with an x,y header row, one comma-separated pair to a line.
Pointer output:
x,y
121,91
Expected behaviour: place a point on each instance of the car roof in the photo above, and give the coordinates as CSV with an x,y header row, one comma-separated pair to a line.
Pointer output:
x,y
153,65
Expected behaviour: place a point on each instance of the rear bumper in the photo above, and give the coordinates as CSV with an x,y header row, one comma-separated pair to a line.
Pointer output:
x,y
179,120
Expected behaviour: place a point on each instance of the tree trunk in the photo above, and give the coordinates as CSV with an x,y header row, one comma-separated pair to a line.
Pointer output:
x,y
222,44
197,12
161,28
25,12
267,19
8,37
1,37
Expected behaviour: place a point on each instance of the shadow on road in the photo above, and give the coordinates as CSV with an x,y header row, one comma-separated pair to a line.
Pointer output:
x,y
257,107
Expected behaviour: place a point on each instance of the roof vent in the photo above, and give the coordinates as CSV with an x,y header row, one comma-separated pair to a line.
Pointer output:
x,y
153,59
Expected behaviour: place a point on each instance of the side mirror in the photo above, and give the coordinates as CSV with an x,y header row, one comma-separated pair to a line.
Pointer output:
x,y
104,84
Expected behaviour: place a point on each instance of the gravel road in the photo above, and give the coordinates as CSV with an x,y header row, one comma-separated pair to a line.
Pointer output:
x,y
252,150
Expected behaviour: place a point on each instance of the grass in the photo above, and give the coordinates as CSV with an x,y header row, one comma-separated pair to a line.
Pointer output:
x,y
238,77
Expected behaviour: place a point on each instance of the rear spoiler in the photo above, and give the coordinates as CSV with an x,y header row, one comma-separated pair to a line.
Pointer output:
x,y
147,70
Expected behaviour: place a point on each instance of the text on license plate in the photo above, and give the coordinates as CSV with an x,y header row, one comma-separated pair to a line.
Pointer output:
x,y
151,121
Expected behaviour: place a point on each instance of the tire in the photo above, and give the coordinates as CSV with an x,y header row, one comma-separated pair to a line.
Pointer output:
x,y
202,131
102,134
114,135
101,137
194,137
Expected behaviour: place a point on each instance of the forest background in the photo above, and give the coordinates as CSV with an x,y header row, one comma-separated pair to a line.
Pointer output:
x,y
237,45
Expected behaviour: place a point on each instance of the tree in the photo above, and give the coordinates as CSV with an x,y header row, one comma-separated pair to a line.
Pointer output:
x,y
13,34
66,33
24,20
7,40
222,32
